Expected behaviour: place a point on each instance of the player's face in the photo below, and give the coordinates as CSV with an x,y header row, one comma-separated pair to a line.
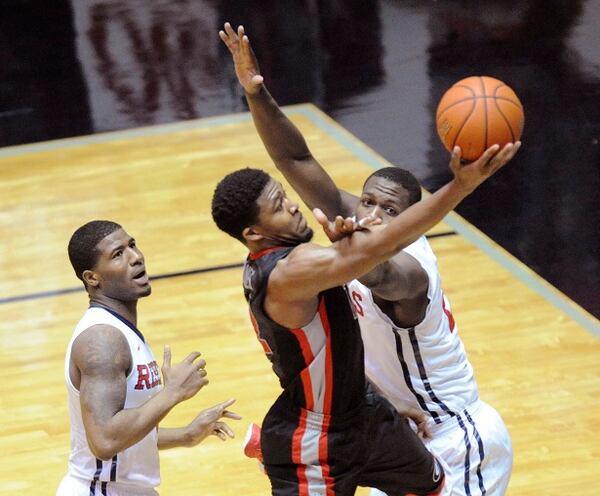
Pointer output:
x,y
120,268
382,199
280,218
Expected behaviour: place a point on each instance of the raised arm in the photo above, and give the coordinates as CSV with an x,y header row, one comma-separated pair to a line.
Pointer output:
x,y
310,269
102,359
282,139
395,279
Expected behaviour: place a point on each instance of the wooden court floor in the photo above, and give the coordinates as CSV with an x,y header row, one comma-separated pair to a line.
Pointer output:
x,y
536,355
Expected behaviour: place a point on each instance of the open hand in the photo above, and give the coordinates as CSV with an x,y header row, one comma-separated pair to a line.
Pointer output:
x,y
185,379
246,65
469,176
342,227
209,423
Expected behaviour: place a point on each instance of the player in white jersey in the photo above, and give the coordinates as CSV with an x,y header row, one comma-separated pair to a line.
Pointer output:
x,y
115,394
426,366
413,353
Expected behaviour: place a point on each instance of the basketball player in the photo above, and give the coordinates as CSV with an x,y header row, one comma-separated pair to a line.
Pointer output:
x,y
325,434
412,349
115,394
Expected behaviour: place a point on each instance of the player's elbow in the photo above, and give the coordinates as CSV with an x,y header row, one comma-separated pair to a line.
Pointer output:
x,y
292,161
419,282
103,448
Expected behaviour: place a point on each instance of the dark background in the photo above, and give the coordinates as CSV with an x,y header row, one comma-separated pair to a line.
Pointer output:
x,y
378,67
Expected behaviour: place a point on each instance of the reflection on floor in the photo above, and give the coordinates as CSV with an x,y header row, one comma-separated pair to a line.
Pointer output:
x,y
377,66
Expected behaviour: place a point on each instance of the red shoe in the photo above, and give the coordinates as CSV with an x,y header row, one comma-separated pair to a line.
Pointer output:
x,y
252,443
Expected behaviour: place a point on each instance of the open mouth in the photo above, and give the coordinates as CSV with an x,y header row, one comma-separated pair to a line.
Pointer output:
x,y
141,278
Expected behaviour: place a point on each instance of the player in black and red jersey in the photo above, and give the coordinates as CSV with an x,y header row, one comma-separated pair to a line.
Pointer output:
x,y
327,433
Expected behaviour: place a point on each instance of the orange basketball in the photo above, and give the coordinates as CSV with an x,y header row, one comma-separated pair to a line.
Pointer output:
x,y
478,112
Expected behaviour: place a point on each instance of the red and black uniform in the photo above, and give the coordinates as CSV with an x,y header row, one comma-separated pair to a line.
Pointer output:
x,y
327,432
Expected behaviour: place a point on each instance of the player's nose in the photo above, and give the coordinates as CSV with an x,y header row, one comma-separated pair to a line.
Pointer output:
x,y
376,212
136,257
293,207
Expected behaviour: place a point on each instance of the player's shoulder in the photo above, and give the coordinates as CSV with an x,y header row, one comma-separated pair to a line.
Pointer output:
x,y
103,339
102,334
304,262
306,252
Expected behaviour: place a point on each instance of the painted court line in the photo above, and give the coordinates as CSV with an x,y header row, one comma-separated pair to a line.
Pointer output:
x,y
461,226
79,289
367,155
45,146
169,275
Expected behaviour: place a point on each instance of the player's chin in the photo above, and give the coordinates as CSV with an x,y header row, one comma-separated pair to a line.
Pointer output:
x,y
306,235
144,291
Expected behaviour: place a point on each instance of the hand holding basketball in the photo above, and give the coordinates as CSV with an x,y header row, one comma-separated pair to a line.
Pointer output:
x,y
468,176
478,112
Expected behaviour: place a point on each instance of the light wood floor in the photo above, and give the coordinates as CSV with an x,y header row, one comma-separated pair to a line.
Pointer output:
x,y
538,364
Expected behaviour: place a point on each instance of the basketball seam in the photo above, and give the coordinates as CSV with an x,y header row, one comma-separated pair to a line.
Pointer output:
x,y
439,113
464,122
512,134
517,103
485,114
489,97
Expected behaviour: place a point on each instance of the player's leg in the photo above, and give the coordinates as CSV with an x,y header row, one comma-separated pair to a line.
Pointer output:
x,y
456,449
399,464
72,486
496,446
277,439
447,489
286,479
475,450
312,453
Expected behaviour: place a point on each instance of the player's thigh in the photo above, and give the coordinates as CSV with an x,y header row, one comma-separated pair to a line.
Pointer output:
x,y
450,448
476,453
72,486
497,465
313,460
398,462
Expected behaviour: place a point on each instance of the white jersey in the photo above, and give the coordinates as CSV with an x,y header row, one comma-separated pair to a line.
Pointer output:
x,y
426,364
136,469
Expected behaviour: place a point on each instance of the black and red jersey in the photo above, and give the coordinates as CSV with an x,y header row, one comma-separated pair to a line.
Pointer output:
x,y
320,366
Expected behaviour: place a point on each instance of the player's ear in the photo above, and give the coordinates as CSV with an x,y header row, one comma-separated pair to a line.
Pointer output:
x,y
90,278
251,234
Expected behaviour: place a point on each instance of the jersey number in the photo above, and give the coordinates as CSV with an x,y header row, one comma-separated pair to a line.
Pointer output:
x,y
356,299
262,341
448,313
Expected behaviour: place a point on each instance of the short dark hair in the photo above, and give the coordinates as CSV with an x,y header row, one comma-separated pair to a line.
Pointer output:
x,y
403,178
83,252
234,201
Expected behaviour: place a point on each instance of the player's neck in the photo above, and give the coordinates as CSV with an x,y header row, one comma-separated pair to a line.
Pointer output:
x,y
126,309
264,244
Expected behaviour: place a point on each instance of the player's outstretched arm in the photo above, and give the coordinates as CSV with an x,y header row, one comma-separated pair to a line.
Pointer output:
x,y
310,269
397,278
208,423
102,357
282,139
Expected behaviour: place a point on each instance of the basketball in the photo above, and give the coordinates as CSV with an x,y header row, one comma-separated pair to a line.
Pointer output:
x,y
478,112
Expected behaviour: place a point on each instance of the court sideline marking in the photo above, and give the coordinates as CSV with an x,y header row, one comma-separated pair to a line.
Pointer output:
x,y
169,275
519,270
